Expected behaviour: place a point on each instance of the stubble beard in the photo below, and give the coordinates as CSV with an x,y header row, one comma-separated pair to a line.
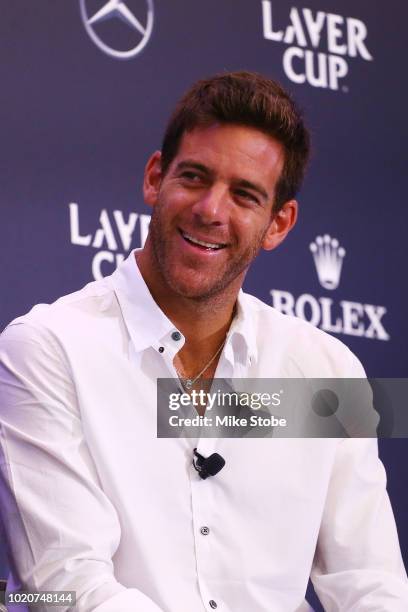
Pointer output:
x,y
233,269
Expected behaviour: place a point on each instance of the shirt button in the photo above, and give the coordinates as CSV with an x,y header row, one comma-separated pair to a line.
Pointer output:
x,y
213,604
205,530
176,336
161,349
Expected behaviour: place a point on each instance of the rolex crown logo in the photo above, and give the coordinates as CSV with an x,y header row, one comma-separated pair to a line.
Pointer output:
x,y
328,258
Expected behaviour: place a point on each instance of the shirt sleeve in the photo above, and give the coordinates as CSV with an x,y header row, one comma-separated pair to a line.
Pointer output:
x,y
358,565
62,529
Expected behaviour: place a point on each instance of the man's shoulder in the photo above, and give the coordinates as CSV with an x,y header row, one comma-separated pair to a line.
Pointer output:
x,y
74,313
305,349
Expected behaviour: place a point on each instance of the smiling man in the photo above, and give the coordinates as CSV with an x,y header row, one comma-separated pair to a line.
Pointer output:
x,y
213,210
92,501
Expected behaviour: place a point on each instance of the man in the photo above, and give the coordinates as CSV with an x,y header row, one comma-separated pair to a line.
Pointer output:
x,y
92,500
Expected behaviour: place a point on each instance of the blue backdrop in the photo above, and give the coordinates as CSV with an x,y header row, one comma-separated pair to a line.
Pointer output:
x,y
86,88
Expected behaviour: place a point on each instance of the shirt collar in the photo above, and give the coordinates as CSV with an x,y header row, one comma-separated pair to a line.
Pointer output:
x,y
243,326
148,325
146,322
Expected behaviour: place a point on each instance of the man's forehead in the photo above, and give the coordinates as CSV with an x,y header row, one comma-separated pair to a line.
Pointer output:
x,y
234,146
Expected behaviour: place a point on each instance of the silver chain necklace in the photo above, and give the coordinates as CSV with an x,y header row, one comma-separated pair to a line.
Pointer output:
x,y
190,382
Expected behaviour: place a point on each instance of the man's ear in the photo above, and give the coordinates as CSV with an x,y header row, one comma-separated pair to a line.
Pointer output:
x,y
152,179
280,225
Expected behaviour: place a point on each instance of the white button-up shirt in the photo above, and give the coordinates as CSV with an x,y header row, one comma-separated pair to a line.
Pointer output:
x,y
94,502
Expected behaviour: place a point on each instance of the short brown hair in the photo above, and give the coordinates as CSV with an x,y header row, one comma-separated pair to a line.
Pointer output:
x,y
244,98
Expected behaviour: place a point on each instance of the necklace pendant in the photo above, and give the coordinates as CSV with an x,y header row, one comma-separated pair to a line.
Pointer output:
x,y
189,383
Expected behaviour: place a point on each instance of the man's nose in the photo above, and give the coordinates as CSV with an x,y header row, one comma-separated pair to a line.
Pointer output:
x,y
212,207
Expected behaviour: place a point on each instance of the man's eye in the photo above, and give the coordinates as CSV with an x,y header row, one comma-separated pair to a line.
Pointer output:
x,y
191,176
246,195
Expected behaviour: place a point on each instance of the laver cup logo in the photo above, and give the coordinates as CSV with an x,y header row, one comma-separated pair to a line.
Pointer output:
x,y
318,43
109,238
346,317
119,29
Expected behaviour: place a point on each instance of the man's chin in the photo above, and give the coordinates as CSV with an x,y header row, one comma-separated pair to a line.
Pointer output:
x,y
195,288
199,293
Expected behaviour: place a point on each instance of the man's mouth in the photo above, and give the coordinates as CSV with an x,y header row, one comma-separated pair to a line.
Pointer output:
x,y
213,246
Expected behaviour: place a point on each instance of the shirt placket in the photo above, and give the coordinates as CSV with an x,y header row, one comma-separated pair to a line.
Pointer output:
x,y
168,347
202,491
204,528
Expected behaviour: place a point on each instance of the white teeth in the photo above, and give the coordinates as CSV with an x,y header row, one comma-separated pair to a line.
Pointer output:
x,y
209,245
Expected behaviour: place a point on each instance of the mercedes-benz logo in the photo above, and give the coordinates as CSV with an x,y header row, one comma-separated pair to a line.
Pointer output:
x,y
139,29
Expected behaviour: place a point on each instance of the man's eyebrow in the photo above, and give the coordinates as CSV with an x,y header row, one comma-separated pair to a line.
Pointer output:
x,y
189,163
